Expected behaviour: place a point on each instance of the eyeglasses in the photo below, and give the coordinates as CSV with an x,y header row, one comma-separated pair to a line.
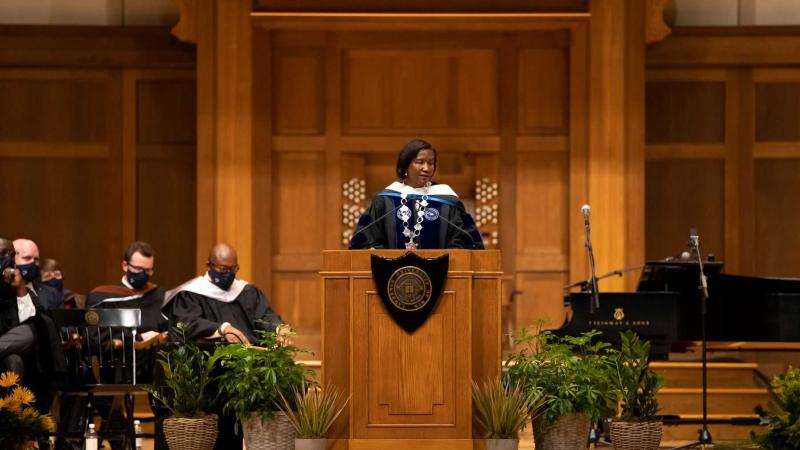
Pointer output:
x,y
137,269
223,269
8,253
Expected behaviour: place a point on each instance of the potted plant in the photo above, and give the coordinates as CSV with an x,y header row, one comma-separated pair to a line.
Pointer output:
x,y
21,425
635,426
571,375
502,411
784,414
187,377
312,412
251,382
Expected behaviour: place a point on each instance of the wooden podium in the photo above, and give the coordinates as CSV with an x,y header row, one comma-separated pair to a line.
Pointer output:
x,y
409,391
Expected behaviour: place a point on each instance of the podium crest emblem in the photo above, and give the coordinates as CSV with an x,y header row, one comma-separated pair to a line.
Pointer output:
x,y
409,286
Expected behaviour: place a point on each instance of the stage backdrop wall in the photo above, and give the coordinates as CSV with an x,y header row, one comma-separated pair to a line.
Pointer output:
x,y
97,147
723,146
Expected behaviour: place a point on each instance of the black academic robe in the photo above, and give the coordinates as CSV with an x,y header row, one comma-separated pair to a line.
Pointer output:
x,y
248,312
47,357
445,224
48,296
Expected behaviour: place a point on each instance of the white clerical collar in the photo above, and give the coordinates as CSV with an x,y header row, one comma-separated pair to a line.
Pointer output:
x,y
202,285
436,189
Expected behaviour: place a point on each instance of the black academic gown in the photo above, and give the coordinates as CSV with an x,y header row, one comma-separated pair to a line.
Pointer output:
x,y
250,311
46,361
48,296
445,224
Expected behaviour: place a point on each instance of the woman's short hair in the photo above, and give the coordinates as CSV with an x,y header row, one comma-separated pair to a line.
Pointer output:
x,y
408,153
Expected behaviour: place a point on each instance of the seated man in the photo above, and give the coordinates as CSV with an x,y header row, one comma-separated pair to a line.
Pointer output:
x,y
135,291
217,305
27,261
27,333
52,276
17,335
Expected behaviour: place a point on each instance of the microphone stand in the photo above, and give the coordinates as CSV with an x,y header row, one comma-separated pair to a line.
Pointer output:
x,y
595,302
704,436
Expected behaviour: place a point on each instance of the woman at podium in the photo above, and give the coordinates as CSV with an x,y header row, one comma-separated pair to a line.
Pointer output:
x,y
414,212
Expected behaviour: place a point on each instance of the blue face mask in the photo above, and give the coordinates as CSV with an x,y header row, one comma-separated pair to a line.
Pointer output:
x,y
222,280
137,280
29,272
55,283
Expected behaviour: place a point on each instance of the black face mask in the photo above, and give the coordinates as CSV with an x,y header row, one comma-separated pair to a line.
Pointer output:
x,y
29,272
222,280
57,283
6,262
137,280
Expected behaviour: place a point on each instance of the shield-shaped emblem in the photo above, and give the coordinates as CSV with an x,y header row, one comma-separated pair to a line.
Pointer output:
x,y
409,286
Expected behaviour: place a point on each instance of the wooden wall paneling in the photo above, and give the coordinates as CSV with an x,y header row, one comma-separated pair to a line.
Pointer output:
x,y
726,47
207,131
296,297
298,203
333,129
508,95
578,150
234,86
675,204
544,94
637,23
88,47
777,115
162,133
739,173
263,149
129,143
361,6
777,187
541,288
542,211
116,168
685,111
299,95
607,131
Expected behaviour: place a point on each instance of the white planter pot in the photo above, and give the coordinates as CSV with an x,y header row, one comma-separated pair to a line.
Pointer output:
x,y
502,444
310,444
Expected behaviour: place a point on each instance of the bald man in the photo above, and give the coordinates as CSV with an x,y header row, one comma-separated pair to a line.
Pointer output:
x,y
25,329
27,262
218,305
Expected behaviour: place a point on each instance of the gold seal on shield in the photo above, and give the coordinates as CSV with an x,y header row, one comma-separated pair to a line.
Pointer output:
x,y
91,318
409,288
619,314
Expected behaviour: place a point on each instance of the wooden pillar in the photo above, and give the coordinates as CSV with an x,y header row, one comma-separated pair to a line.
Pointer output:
x,y
616,136
223,34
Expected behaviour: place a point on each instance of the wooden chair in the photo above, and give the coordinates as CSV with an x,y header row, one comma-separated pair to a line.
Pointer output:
x,y
100,348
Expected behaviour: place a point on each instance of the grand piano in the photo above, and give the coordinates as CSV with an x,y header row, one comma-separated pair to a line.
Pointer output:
x,y
666,308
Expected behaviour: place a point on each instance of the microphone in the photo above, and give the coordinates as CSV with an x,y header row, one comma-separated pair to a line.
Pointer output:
x,y
595,301
465,232
371,224
694,246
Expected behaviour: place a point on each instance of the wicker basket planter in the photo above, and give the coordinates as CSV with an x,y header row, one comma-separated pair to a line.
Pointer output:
x,y
275,434
569,432
636,435
191,434
502,444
